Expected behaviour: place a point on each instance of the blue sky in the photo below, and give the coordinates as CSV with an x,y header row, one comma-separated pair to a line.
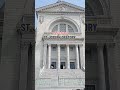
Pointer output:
x,y
40,3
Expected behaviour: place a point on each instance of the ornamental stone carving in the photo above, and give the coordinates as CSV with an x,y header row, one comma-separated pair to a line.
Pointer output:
x,y
25,44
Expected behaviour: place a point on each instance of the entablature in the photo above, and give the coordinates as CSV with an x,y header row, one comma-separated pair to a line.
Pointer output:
x,y
62,36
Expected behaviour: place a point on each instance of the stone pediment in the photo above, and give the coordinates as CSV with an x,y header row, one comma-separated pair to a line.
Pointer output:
x,y
61,6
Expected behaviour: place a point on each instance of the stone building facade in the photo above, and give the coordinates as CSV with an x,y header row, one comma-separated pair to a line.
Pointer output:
x,y
102,45
60,47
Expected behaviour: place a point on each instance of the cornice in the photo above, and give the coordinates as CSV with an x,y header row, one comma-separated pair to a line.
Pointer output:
x,y
58,4
47,12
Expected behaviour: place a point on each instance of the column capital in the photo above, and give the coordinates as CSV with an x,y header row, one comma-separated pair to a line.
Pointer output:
x,y
33,43
25,44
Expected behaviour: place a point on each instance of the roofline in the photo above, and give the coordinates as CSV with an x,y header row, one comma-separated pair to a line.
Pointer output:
x,y
57,3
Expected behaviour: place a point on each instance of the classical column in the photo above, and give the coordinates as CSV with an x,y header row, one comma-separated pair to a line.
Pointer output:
x,y
68,57
44,55
77,57
58,56
23,66
10,52
101,70
111,64
49,56
82,57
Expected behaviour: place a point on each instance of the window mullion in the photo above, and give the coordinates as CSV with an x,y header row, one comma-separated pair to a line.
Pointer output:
x,y
66,27
58,27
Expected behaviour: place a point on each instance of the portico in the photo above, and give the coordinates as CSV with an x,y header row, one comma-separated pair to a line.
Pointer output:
x,y
48,62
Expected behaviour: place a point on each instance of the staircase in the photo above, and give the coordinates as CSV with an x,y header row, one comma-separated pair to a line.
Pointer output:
x,y
62,78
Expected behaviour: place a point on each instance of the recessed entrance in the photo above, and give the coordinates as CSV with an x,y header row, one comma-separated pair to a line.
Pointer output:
x,y
72,65
62,65
53,65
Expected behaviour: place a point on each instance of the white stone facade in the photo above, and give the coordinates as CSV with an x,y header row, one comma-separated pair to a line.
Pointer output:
x,y
60,47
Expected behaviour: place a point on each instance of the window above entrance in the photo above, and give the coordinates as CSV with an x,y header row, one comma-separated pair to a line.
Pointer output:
x,y
63,28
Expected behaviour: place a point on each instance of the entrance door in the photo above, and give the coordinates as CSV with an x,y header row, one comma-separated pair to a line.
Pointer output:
x,y
62,65
72,65
53,65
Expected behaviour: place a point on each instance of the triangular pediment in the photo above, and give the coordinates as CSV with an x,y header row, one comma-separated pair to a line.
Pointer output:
x,y
60,7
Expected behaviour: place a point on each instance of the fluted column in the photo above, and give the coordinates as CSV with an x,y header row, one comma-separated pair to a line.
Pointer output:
x,y
111,64
77,57
82,57
101,69
23,66
49,56
44,55
68,57
58,56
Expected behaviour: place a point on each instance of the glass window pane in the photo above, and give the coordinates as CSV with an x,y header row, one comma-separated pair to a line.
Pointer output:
x,y
72,65
53,65
54,48
71,48
55,29
62,48
62,27
62,66
70,29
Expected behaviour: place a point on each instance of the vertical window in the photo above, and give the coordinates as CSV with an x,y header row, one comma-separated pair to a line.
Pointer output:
x,y
71,48
54,48
72,65
62,66
53,65
62,27
70,29
62,48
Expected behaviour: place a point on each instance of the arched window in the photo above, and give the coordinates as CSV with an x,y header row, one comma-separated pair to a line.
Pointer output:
x,y
63,27
70,29
55,29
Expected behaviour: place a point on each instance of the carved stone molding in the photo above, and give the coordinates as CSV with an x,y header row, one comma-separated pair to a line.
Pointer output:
x,y
32,43
41,19
25,44
82,19
62,8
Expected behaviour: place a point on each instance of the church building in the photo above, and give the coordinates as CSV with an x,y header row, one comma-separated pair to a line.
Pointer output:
x,y
60,47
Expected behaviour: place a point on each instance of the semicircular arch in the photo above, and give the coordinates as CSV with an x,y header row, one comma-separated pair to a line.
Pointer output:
x,y
63,19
